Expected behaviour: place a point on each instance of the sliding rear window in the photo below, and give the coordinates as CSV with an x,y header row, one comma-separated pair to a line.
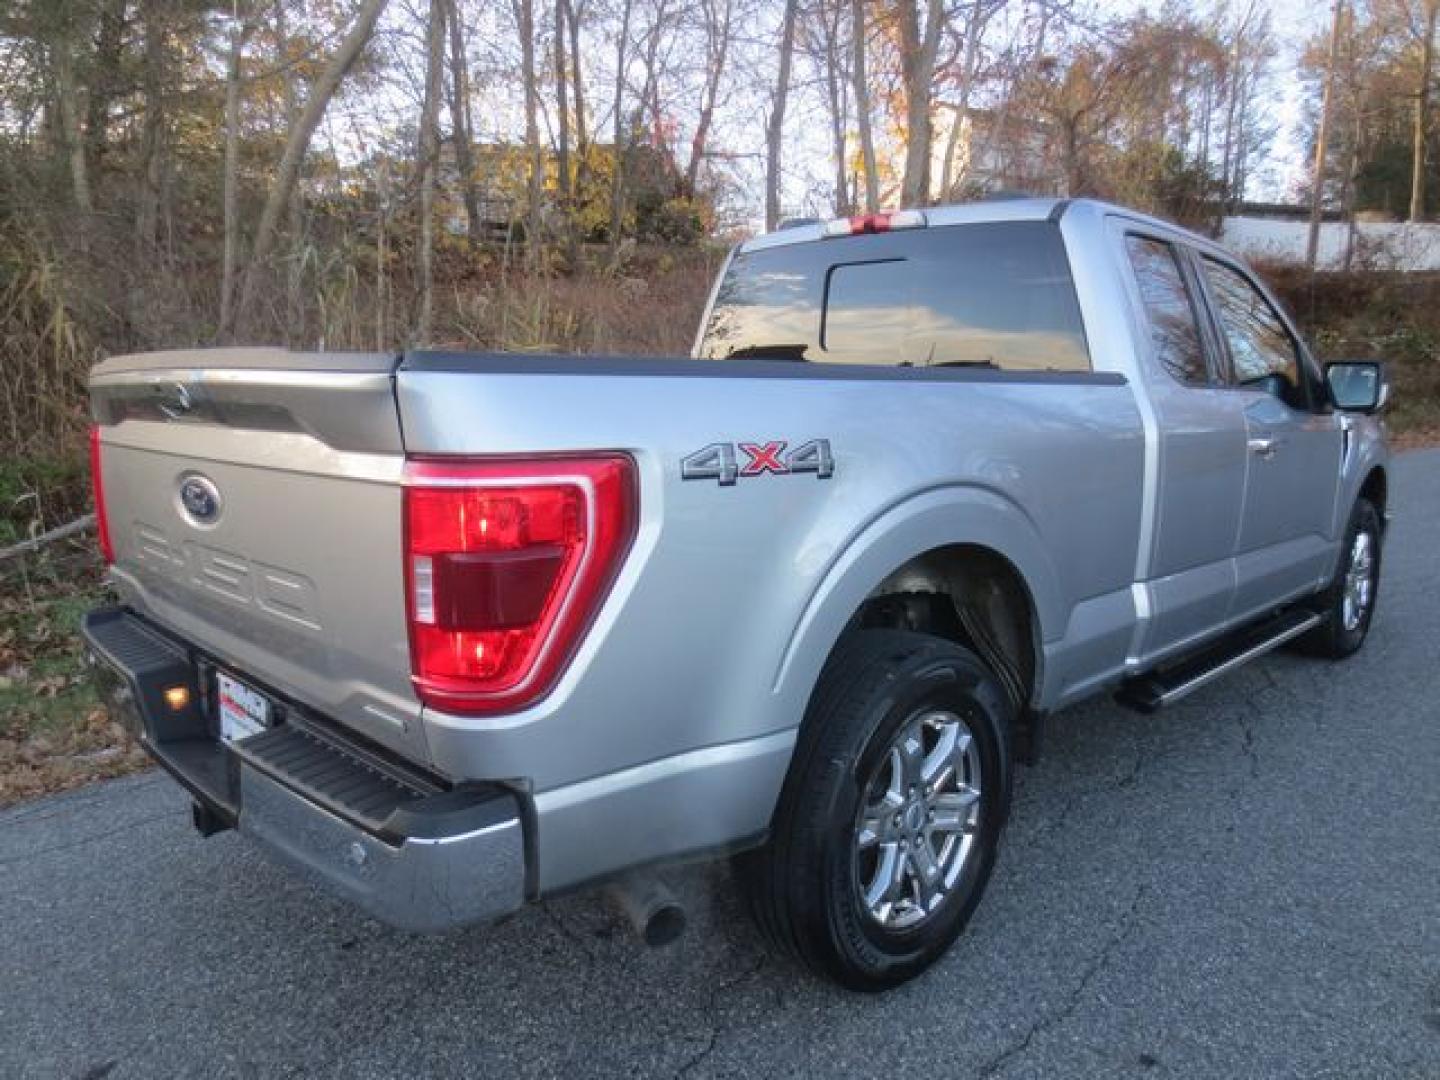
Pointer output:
x,y
996,295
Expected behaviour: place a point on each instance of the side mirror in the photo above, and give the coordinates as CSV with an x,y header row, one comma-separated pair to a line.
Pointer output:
x,y
1357,385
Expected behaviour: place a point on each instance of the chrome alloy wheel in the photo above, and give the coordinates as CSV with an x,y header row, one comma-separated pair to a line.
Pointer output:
x,y
919,819
1359,581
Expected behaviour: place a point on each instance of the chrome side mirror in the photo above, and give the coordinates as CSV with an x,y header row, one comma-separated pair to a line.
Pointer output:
x,y
1358,385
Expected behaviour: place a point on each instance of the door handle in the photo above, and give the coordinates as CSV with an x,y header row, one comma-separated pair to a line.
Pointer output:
x,y
1265,446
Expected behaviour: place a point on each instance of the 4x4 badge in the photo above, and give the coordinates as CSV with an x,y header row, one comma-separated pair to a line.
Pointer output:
x,y
721,462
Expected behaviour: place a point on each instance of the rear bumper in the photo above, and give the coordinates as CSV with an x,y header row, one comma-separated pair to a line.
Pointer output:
x,y
369,828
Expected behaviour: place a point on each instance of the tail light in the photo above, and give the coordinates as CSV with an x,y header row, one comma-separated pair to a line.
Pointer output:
x,y
506,564
97,487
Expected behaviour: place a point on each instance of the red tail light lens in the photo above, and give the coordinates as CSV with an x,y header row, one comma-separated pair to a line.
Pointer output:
x,y
506,563
97,487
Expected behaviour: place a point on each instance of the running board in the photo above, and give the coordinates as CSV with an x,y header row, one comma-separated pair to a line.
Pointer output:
x,y
1168,685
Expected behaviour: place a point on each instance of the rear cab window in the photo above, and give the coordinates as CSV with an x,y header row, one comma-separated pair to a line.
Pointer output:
x,y
1169,309
993,294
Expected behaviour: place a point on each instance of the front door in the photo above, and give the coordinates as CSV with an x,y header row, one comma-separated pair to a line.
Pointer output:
x,y
1286,546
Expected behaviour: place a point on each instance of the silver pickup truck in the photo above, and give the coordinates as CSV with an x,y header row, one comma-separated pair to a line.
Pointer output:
x,y
452,632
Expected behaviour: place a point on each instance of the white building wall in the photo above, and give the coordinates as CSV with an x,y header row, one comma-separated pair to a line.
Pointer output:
x,y
1405,246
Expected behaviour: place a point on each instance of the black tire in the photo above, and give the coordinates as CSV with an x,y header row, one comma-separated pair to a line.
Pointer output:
x,y
1334,639
804,886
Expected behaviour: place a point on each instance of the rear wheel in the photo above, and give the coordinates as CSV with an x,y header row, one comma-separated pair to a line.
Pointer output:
x,y
1348,604
888,824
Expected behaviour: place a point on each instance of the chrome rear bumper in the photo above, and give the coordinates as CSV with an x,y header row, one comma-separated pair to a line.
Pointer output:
x,y
396,842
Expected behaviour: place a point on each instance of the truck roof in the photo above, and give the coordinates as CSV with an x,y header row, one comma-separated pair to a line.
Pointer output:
x,y
1022,208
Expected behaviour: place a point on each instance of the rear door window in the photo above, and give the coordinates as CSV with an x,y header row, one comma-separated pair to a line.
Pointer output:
x,y
994,295
1169,309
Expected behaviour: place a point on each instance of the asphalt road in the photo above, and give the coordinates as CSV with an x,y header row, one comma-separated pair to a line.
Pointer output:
x,y
1247,884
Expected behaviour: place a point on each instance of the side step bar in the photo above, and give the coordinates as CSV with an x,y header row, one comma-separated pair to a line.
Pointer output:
x,y
1167,685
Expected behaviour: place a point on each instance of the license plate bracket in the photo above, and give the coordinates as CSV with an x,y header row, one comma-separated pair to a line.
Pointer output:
x,y
242,710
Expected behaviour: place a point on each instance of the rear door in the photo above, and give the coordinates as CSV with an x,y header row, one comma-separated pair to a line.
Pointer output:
x,y
1286,544
254,504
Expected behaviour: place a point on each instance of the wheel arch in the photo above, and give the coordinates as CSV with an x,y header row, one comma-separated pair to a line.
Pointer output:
x,y
942,544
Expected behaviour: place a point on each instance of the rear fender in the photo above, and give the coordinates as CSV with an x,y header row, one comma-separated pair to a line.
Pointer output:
x,y
933,519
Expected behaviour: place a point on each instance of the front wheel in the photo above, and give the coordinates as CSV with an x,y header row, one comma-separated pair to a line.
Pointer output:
x,y
1348,604
891,814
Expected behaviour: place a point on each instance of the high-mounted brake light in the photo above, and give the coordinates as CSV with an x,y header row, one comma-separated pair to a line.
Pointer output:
x,y
506,564
862,224
97,488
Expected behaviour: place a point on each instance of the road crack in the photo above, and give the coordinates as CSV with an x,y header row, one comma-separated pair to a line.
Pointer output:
x,y
1072,1001
720,1026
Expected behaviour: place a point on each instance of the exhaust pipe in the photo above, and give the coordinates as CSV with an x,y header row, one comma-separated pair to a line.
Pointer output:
x,y
650,907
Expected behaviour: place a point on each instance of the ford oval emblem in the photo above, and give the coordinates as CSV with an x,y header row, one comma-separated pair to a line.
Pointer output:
x,y
200,499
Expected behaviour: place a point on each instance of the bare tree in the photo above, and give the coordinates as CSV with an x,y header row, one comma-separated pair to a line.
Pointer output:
x,y
562,154
153,131
1430,10
462,122
978,19
428,158
823,37
718,17
298,143
525,23
1317,185
775,129
862,107
919,46
617,181
295,206
68,92
240,30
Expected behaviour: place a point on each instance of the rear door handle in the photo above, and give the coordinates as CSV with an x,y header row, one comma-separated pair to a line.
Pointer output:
x,y
1265,446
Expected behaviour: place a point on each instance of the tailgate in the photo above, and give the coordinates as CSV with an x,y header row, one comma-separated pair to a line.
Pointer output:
x,y
254,505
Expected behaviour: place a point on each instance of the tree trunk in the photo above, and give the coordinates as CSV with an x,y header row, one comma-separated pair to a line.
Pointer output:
x,y
463,124
68,93
109,56
572,11
295,208
299,142
382,258
525,20
238,33
775,130
577,100
968,65
428,158
919,46
562,156
862,108
1422,113
148,204
1317,176
716,53
617,182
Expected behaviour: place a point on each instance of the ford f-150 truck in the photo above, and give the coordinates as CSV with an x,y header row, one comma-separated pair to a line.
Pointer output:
x,y
453,632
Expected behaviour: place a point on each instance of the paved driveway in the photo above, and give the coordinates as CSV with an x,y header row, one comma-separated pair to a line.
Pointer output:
x,y
1247,884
